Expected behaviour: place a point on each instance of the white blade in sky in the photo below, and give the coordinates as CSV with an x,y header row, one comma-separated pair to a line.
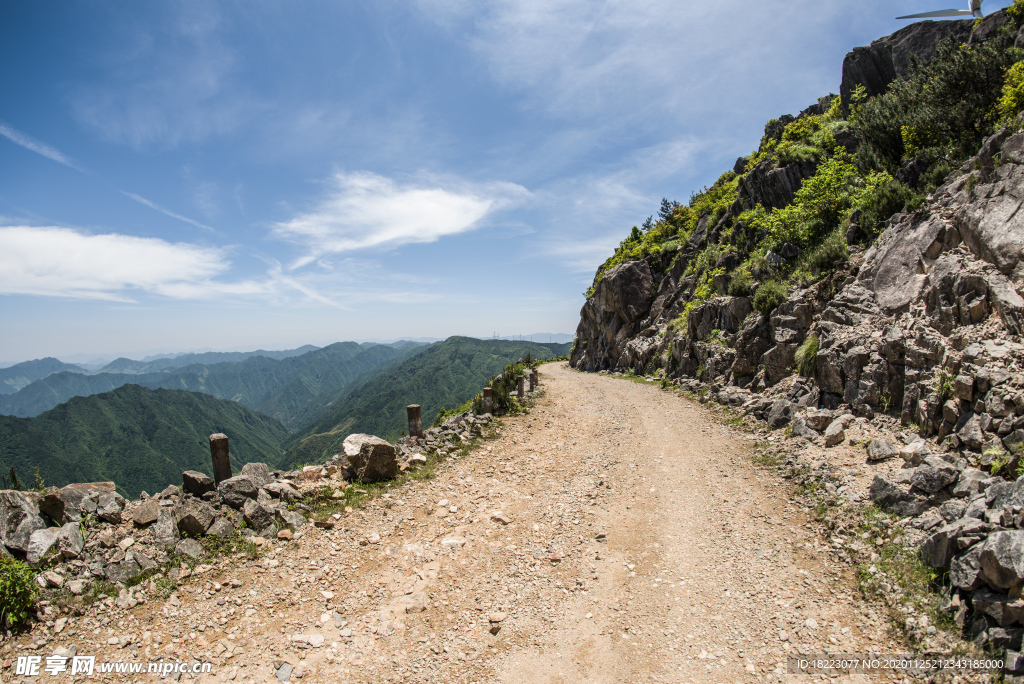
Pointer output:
x,y
940,13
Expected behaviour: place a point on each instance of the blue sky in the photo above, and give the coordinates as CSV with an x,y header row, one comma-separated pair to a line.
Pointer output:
x,y
237,175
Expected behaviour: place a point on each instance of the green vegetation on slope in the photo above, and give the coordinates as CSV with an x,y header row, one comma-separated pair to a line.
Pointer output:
x,y
123,365
448,373
140,439
931,122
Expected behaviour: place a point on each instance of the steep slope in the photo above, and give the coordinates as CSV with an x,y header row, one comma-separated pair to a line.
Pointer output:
x,y
445,374
292,389
14,378
124,365
140,439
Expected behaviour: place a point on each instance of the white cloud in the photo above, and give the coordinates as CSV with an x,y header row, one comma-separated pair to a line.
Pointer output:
x,y
19,138
364,210
62,262
163,210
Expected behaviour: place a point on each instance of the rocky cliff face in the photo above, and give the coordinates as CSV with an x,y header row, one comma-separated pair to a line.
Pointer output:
x,y
920,328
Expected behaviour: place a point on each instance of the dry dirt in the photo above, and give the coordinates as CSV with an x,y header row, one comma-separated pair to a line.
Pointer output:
x,y
616,533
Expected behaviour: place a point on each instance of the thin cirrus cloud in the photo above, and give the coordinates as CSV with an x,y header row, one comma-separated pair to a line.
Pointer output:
x,y
62,262
364,210
19,138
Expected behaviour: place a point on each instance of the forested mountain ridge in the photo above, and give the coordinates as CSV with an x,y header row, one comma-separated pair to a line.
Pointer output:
x,y
20,375
140,439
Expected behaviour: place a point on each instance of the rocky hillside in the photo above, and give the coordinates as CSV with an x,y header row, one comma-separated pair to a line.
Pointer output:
x,y
865,263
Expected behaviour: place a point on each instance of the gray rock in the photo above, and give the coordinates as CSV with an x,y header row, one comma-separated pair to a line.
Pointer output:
x,y
41,544
115,573
146,514
971,434
375,461
965,570
1004,610
963,387
259,473
109,507
270,532
79,586
70,542
292,520
19,518
236,491
197,483
284,673
888,495
933,475
800,428
1002,559
970,482
221,528
881,450
256,515
189,547
938,549
953,510
193,516
283,491
834,434
819,420
165,531
780,413
73,502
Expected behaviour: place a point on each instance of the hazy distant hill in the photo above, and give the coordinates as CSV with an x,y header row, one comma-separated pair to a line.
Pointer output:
x,y
444,374
139,438
292,389
123,365
14,378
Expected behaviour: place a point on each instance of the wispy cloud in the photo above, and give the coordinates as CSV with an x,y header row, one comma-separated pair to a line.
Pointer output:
x,y
62,262
19,138
164,210
364,210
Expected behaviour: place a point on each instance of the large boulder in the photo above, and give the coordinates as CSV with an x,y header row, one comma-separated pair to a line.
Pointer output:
x,y
70,541
146,513
19,518
375,459
934,475
193,516
197,483
41,545
74,502
283,491
236,490
165,531
257,516
939,548
259,473
109,506
1002,559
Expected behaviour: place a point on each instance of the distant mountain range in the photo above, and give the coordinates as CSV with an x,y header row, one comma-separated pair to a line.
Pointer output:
x,y
142,429
138,438
21,375
123,365
446,374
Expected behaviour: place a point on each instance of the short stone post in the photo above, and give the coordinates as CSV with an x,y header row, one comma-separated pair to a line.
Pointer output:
x,y
521,386
533,380
415,423
488,401
221,457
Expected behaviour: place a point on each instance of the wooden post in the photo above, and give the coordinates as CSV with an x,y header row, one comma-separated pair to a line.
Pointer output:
x,y
533,380
488,400
521,386
221,457
415,424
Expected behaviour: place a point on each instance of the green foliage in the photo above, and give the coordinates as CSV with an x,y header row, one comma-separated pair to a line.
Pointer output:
x,y
944,383
1016,10
448,373
17,591
943,110
828,255
135,437
807,356
1011,104
741,283
801,129
10,482
884,197
770,294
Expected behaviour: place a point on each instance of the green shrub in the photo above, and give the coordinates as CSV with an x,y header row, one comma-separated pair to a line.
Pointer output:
x,y
807,356
1012,101
801,129
829,254
886,198
770,294
1016,10
741,283
17,591
944,108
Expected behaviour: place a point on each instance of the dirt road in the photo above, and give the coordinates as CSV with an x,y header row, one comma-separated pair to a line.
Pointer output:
x,y
617,533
